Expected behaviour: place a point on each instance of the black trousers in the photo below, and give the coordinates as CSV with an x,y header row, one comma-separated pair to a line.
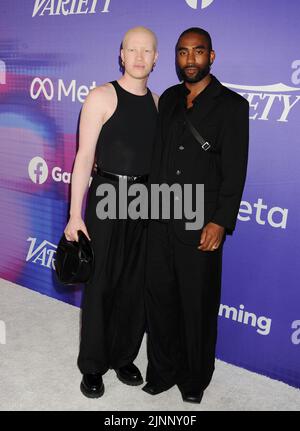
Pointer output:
x,y
113,313
182,299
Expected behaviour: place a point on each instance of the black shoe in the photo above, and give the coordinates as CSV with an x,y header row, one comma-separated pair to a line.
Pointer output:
x,y
153,389
192,396
130,375
92,385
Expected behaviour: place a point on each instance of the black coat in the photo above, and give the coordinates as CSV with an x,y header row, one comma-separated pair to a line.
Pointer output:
x,y
221,116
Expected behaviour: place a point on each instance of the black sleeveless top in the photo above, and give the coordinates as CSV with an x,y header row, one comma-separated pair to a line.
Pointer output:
x,y
126,140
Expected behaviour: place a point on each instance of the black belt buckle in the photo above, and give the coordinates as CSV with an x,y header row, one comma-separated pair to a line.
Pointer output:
x,y
116,177
138,179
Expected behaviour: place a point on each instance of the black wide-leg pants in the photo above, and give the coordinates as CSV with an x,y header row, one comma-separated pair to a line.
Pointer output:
x,y
182,299
113,313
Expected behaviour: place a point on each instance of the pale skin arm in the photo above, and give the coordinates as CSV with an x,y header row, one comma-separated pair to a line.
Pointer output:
x,y
94,113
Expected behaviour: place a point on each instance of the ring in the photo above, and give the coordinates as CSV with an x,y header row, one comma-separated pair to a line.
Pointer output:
x,y
214,248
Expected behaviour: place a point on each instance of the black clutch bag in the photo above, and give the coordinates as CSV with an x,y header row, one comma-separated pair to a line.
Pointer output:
x,y
74,262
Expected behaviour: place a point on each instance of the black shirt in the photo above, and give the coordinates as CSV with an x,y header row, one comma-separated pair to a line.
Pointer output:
x,y
125,142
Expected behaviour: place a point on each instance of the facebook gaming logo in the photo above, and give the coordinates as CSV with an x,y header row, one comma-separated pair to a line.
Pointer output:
x,y
194,3
38,170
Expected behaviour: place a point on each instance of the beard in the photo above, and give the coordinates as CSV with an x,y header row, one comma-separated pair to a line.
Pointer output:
x,y
202,72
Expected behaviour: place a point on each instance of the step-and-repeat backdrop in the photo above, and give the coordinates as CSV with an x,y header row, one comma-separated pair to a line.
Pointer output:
x,y
53,52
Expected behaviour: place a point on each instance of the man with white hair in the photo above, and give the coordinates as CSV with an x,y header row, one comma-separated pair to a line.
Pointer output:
x,y
118,125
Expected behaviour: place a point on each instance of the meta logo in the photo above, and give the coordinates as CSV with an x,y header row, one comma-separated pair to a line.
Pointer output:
x,y
69,7
275,216
2,72
263,99
194,3
262,323
45,88
41,254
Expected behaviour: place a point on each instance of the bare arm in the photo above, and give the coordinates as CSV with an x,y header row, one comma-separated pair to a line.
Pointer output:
x,y
93,116
89,129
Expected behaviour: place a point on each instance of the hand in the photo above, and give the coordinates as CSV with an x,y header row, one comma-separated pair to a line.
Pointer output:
x,y
75,224
211,237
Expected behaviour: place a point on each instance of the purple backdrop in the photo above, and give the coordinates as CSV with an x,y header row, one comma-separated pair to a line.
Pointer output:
x,y
51,56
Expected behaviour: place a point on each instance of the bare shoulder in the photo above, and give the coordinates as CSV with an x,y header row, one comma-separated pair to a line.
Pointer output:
x,y
101,94
155,98
101,100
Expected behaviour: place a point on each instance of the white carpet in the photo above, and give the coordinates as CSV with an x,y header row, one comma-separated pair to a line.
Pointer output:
x,y
38,368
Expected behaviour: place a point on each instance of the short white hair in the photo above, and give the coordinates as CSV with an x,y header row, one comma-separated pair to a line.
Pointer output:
x,y
140,29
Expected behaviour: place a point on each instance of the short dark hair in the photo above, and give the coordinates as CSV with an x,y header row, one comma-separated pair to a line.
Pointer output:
x,y
199,31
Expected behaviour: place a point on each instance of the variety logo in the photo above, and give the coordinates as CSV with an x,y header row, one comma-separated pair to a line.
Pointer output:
x,y
265,98
41,254
2,72
195,4
69,7
44,87
262,323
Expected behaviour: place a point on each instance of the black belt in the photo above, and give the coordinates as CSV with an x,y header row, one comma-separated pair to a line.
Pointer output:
x,y
117,177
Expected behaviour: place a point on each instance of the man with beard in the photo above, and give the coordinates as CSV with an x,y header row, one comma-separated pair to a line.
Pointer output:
x,y
184,278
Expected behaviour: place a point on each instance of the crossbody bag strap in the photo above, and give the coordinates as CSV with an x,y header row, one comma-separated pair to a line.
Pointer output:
x,y
204,144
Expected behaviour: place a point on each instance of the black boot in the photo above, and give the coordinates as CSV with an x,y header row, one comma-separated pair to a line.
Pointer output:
x,y
92,385
191,396
130,375
153,389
